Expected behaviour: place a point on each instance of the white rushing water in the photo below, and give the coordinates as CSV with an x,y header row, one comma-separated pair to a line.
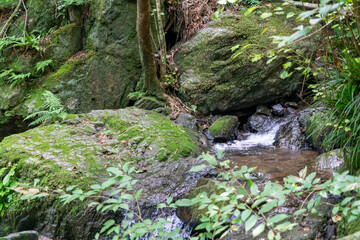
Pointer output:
x,y
251,140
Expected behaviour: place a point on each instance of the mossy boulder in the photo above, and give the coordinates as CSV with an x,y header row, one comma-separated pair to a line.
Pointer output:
x,y
95,65
26,235
216,82
78,152
224,129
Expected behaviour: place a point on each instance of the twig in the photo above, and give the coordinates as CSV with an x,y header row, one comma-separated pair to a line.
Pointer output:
x,y
8,22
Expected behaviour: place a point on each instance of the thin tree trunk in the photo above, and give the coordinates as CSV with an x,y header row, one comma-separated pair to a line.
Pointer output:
x,y
150,82
162,43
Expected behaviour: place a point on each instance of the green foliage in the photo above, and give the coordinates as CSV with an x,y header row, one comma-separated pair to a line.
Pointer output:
x,y
9,76
7,184
41,65
65,3
236,202
338,104
6,3
136,95
53,110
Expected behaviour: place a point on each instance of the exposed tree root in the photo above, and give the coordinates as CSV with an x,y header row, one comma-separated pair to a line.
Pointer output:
x,y
176,105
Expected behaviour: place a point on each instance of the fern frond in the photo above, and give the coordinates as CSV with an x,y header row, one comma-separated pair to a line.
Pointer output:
x,y
52,110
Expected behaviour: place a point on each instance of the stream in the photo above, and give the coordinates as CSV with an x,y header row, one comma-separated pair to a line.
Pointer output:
x,y
258,150
273,164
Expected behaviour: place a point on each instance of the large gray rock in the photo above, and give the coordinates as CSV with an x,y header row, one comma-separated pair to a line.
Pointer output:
x,y
259,123
95,66
290,135
330,161
187,120
216,82
77,153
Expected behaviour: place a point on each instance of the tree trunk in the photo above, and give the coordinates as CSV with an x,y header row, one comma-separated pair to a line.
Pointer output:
x,y
162,43
150,82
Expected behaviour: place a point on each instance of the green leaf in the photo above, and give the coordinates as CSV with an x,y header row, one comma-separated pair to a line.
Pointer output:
x,y
107,225
285,74
306,14
108,183
258,230
250,10
268,206
315,21
245,214
300,211
287,65
277,218
184,202
290,14
138,193
198,168
265,15
250,222
264,30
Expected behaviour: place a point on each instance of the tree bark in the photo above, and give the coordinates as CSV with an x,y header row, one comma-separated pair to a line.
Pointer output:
x,y
149,80
162,43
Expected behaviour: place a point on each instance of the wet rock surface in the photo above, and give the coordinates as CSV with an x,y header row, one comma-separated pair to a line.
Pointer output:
x,y
278,110
259,123
77,151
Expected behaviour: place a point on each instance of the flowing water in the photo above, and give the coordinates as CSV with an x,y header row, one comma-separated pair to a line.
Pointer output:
x,y
257,150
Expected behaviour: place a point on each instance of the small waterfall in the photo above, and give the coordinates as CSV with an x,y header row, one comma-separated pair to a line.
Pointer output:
x,y
252,140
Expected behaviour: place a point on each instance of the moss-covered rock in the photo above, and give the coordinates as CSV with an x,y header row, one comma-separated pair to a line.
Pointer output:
x,y
78,152
42,14
216,82
98,76
26,235
224,128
